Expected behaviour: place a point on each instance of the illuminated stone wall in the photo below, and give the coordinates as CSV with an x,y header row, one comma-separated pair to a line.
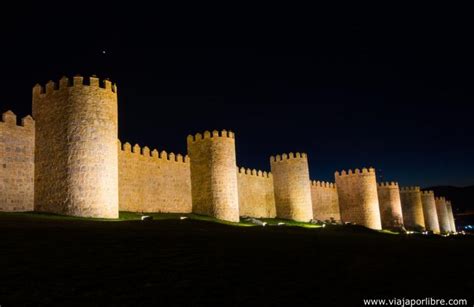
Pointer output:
x,y
256,195
152,181
449,209
429,211
412,208
325,201
16,163
76,156
292,187
443,217
358,200
214,175
390,205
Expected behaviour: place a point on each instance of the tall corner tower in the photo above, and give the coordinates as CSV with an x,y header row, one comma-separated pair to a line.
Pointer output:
x,y
358,199
292,186
76,156
412,208
390,205
214,184
429,211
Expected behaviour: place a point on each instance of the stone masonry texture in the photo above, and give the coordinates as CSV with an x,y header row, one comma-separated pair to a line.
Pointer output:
x,y
292,187
358,200
449,209
256,196
214,175
390,205
443,217
16,163
412,208
67,160
153,181
429,211
325,201
76,155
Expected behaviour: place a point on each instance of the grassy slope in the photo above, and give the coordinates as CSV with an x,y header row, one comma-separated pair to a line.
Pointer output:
x,y
52,260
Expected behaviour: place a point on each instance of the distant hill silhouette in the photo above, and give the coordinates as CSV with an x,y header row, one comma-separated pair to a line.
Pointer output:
x,y
462,199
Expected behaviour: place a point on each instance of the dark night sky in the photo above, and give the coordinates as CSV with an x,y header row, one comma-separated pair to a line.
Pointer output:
x,y
393,93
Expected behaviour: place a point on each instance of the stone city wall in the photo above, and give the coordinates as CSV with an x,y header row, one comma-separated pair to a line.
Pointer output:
x,y
152,181
325,201
16,163
256,196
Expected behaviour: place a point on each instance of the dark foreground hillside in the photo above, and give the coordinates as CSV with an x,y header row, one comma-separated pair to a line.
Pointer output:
x,y
66,262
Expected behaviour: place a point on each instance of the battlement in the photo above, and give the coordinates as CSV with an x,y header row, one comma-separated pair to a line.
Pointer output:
x,y
440,198
145,152
409,189
77,81
289,156
209,135
323,184
387,184
9,118
427,193
254,172
357,171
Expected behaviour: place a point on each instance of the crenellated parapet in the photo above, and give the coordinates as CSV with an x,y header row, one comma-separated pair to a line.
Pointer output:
x,y
77,82
388,185
350,172
10,119
289,156
254,172
210,135
427,193
323,184
154,155
410,189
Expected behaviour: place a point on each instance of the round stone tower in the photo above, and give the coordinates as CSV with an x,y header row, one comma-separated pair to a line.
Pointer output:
x,y
449,208
358,200
214,186
412,208
292,187
76,156
429,211
390,205
443,217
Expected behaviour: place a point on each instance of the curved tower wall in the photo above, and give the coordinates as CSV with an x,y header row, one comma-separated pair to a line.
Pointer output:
x,y
412,208
358,200
449,208
429,211
390,205
292,187
443,217
214,186
76,156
